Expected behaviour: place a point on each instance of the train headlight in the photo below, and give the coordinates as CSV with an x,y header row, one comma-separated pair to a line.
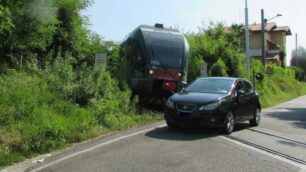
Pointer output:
x,y
179,74
151,72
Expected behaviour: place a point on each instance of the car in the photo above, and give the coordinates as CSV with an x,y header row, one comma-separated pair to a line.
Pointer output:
x,y
214,102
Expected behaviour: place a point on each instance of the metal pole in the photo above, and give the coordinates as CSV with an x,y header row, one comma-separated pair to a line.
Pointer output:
x,y
247,39
263,51
254,81
296,50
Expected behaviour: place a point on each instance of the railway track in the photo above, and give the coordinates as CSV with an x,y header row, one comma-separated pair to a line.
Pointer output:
x,y
271,150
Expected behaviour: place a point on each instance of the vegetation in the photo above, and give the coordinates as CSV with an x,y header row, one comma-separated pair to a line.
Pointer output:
x,y
298,62
48,109
223,50
53,95
279,87
51,92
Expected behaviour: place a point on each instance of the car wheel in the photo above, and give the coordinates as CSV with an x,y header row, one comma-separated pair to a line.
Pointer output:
x,y
172,125
229,124
256,118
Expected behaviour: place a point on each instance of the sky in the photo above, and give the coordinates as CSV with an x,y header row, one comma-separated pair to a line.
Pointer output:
x,y
115,19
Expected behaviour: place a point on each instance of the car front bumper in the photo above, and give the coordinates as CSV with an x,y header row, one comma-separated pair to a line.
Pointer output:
x,y
214,118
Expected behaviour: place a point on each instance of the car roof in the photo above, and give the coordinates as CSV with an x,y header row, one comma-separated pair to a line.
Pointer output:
x,y
225,78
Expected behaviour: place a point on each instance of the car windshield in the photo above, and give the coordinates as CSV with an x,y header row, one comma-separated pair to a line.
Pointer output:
x,y
219,86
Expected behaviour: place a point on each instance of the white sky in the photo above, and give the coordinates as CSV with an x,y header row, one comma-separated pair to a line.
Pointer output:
x,y
114,19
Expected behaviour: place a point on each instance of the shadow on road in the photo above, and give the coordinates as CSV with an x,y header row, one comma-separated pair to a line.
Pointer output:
x,y
182,134
242,126
296,115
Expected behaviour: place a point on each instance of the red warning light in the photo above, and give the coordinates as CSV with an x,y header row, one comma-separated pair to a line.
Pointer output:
x,y
169,86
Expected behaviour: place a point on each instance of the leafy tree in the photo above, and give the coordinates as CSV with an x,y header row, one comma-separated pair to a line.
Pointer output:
x,y
299,61
218,69
215,43
282,56
36,30
6,25
28,34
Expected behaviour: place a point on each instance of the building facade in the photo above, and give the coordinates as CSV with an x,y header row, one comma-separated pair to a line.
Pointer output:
x,y
275,41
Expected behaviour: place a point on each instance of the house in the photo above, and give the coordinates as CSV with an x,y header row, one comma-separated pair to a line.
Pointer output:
x,y
275,41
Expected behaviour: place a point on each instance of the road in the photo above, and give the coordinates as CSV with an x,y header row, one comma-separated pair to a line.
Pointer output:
x,y
278,144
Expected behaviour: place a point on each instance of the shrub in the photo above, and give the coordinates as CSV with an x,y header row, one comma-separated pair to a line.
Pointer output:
x,y
219,47
34,120
20,96
218,69
279,87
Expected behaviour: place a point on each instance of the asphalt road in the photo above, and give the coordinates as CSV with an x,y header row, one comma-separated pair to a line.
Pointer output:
x,y
278,144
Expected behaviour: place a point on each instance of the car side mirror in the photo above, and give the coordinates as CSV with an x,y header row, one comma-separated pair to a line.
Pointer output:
x,y
240,93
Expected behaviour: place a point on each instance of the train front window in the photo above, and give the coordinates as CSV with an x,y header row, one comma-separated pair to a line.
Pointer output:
x,y
134,53
166,50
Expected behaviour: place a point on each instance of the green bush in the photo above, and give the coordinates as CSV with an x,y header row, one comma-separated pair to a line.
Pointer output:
x,y
218,69
279,87
223,49
41,112
218,47
39,120
299,73
20,96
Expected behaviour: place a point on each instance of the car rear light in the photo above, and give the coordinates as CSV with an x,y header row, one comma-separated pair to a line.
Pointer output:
x,y
169,86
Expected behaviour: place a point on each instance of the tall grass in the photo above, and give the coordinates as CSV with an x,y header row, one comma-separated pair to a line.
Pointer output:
x,y
48,109
278,87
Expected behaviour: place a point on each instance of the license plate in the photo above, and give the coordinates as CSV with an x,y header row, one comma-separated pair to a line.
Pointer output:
x,y
184,114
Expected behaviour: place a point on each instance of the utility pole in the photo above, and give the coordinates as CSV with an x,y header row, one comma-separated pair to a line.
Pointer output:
x,y
247,39
263,51
296,50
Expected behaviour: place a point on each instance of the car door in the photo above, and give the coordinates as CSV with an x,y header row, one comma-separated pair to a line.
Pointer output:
x,y
240,101
250,99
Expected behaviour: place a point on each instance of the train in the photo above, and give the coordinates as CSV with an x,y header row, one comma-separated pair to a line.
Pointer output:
x,y
154,60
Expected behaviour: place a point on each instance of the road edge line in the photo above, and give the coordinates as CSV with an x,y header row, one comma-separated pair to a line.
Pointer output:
x,y
95,147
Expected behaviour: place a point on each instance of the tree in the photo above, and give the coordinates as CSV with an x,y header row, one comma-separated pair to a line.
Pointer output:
x,y
216,45
28,34
298,60
36,30
218,69
282,56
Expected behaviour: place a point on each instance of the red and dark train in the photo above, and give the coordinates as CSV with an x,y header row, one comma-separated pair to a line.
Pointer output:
x,y
154,60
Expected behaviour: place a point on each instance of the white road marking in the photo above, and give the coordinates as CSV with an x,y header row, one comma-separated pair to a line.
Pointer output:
x,y
95,147
302,167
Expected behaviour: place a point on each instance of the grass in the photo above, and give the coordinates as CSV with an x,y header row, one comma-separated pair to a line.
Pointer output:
x,y
279,87
34,120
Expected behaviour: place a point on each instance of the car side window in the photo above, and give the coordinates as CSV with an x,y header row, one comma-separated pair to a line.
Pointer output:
x,y
239,86
248,87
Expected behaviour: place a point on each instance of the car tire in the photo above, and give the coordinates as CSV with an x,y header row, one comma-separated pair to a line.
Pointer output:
x,y
229,123
256,118
172,125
